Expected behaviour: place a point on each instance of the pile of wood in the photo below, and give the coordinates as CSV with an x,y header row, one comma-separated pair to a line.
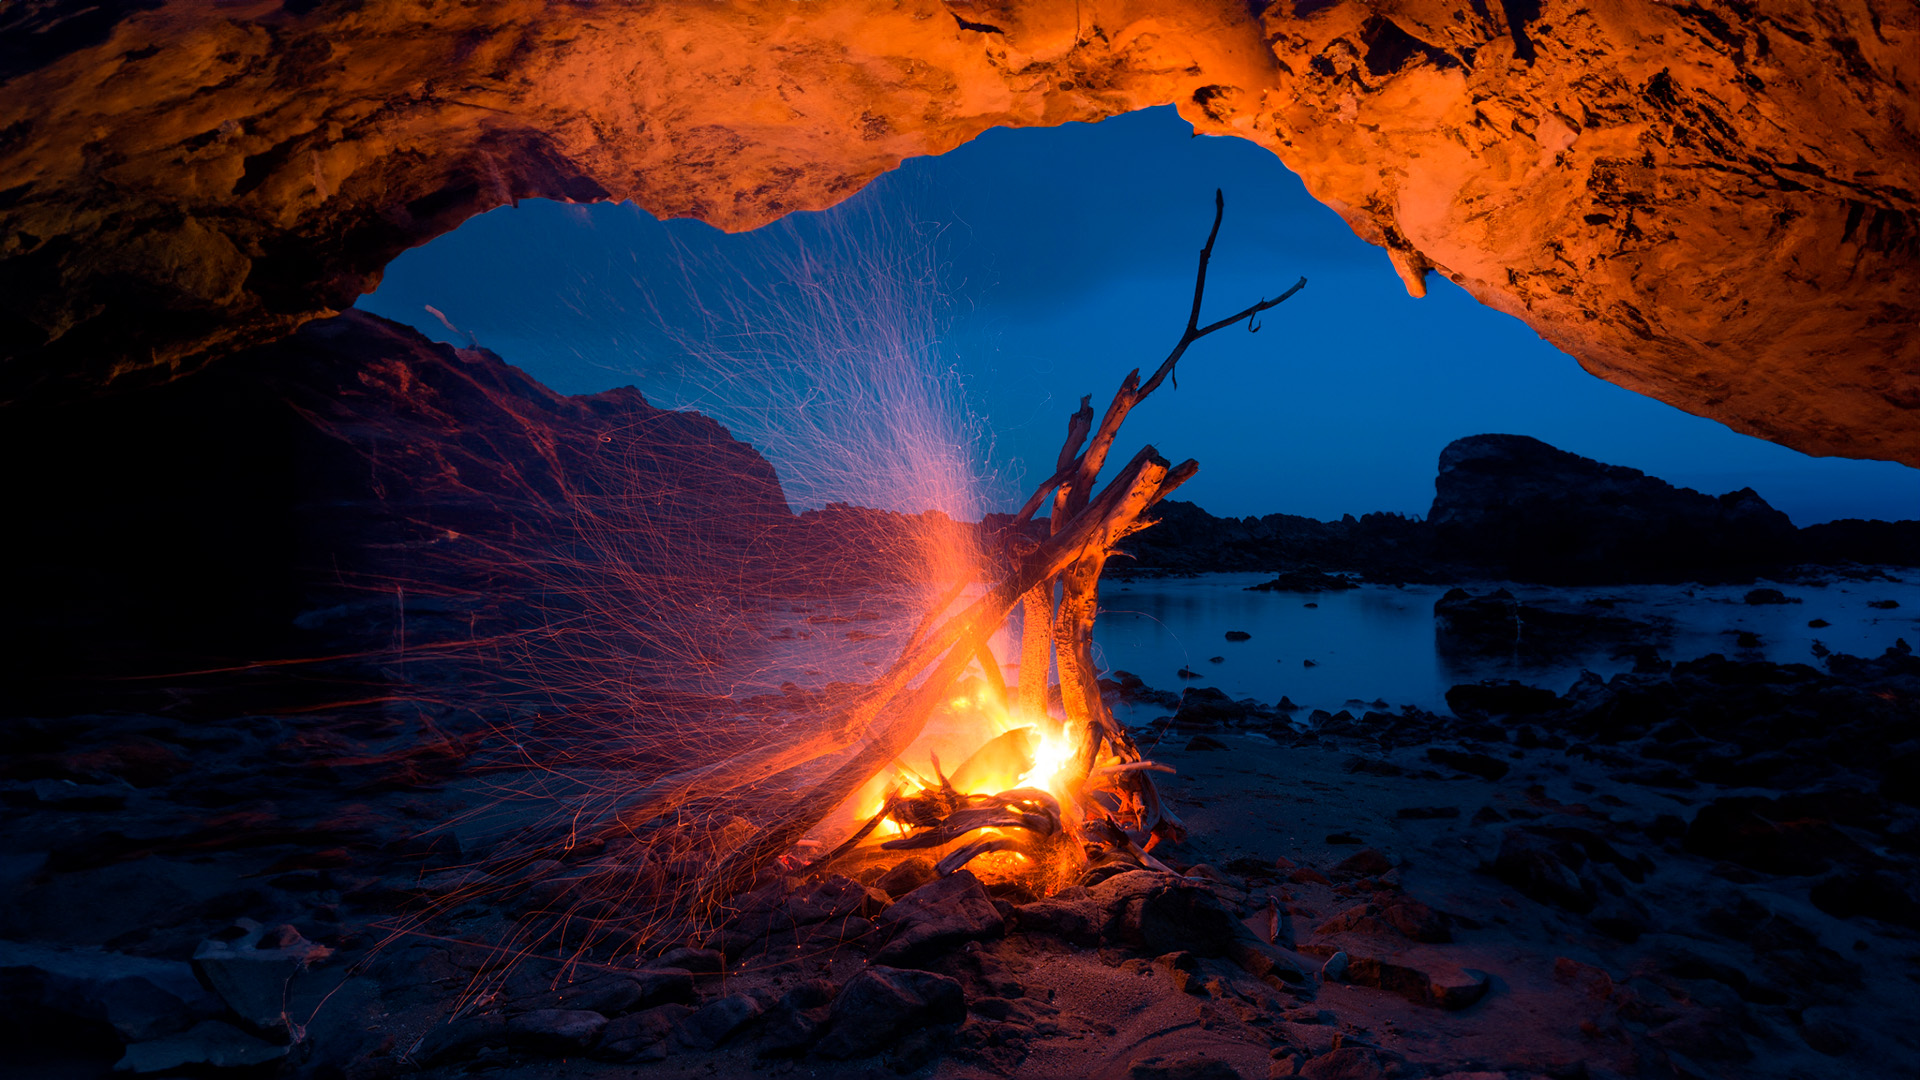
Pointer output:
x,y
1111,809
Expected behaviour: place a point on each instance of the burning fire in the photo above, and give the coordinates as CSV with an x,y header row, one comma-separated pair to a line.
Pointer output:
x,y
1016,753
1014,808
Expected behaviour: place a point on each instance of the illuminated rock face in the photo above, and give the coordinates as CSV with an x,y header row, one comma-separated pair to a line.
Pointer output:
x,y
1710,203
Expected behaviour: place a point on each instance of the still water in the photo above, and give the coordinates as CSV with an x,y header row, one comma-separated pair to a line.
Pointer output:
x,y
1378,642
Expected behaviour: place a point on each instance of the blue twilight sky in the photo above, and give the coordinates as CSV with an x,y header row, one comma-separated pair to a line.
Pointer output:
x,y
1003,280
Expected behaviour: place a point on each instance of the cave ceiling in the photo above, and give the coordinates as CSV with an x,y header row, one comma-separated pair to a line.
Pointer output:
x,y
1709,203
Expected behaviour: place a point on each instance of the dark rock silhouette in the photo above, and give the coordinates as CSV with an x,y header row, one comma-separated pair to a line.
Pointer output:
x,y
1537,513
1513,507
330,489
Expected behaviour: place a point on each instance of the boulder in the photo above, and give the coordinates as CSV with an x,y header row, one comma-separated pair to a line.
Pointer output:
x,y
249,967
139,997
210,1044
938,916
611,994
797,1019
1174,916
555,1031
1483,700
1539,867
1542,514
1769,835
717,1021
641,1036
881,1004
1484,766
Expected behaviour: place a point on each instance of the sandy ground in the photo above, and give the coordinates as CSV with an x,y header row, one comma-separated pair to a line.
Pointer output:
x,y
1438,886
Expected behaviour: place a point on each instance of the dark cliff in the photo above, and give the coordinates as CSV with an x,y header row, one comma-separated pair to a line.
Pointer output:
x,y
1543,514
318,493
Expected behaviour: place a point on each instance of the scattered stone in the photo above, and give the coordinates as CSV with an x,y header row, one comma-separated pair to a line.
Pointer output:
x,y
1538,867
208,1044
1216,659
1188,673
614,994
1188,1066
797,1019
905,876
140,998
1239,635
1900,780
1345,1063
1455,988
1498,624
1704,1035
1770,596
1883,605
1306,581
1483,766
461,1039
1205,742
1818,624
938,916
1361,864
556,1031
835,898
1427,813
716,1021
698,961
1206,706
881,1003
1335,968
249,967
1308,663
1183,970
1422,976
1868,894
1416,920
1177,917
642,1036
1483,700
1773,836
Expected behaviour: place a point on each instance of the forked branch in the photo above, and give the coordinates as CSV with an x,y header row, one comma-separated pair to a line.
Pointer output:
x,y
1086,464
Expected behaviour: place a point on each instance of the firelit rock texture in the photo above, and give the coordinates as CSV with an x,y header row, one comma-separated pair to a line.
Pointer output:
x,y
1711,203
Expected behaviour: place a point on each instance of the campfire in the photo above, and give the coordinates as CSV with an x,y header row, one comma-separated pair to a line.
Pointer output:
x,y
1038,788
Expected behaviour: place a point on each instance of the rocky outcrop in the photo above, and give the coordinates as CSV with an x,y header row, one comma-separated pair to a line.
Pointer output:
x,y
355,487
1710,203
1515,508
1540,514
1187,539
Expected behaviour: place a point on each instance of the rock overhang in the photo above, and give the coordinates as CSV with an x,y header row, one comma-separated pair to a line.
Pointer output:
x,y
1709,204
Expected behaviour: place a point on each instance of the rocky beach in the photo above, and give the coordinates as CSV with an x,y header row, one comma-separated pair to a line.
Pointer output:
x,y
352,863
1706,870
